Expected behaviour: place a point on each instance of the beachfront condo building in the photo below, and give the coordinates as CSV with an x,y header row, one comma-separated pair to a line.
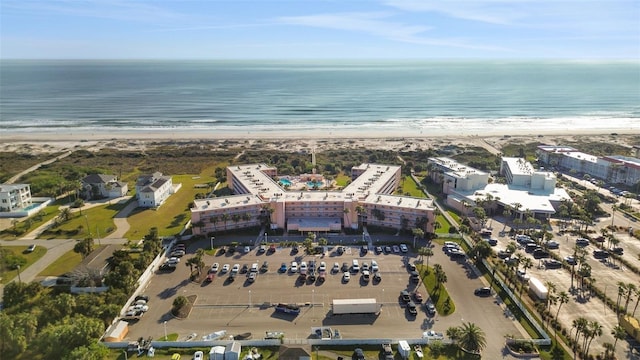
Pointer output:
x,y
153,189
614,169
259,199
526,189
15,197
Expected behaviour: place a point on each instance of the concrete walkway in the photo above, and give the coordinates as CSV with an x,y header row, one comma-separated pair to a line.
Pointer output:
x,y
120,221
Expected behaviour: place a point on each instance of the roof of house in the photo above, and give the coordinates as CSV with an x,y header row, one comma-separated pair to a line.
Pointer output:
x,y
98,179
292,353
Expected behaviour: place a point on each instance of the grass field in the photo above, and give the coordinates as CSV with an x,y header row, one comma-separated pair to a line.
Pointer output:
x,y
171,217
342,180
439,295
410,187
444,225
50,212
63,264
99,220
31,258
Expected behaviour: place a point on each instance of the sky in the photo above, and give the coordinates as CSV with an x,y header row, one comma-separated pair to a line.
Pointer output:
x,y
319,29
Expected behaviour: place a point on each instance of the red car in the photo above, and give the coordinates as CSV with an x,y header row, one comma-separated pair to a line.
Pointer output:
x,y
417,296
272,248
210,277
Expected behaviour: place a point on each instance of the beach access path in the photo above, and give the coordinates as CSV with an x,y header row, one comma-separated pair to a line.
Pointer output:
x,y
37,166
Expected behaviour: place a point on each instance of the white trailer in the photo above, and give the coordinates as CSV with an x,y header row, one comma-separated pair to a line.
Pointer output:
x,y
355,306
404,349
537,288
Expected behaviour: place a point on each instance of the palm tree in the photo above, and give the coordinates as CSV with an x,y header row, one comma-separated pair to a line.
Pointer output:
x,y
425,251
225,217
346,212
441,277
236,219
637,301
578,324
214,220
631,289
563,298
527,264
619,333
360,210
622,290
595,329
453,333
472,338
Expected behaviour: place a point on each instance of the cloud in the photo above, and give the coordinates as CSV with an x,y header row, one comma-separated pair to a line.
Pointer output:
x,y
377,24
492,11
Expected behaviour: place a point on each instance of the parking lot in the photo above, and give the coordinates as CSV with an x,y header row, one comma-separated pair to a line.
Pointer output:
x,y
240,306
607,274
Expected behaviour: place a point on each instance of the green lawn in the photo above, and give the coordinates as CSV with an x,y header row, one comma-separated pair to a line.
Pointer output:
x,y
50,212
455,216
99,219
438,296
171,217
342,180
63,264
410,187
444,225
32,257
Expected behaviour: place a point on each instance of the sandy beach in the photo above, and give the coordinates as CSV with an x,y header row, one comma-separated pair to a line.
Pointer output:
x,y
49,142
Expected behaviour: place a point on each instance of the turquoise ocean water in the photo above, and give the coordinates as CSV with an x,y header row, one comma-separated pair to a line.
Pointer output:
x,y
54,95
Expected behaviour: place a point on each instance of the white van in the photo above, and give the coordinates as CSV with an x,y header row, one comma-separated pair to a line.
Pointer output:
x,y
355,266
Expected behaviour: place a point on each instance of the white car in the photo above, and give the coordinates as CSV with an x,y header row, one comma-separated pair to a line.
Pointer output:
x,y
374,266
225,268
346,276
247,249
172,260
214,268
294,267
365,266
336,268
303,267
198,355
235,268
323,267
396,249
404,248
143,308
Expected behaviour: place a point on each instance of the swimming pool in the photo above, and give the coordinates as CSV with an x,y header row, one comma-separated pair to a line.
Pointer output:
x,y
311,184
32,206
285,182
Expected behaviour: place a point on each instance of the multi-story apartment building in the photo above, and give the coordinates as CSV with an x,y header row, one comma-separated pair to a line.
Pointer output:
x,y
367,199
614,169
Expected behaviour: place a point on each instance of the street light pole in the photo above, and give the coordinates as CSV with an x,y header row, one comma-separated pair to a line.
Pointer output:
x,y
165,331
88,227
313,292
249,299
213,238
19,279
266,239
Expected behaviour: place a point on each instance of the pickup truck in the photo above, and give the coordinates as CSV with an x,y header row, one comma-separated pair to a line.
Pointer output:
x,y
432,335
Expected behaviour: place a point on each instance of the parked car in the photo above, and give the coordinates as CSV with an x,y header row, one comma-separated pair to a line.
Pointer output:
x,y
31,248
294,267
167,267
142,297
244,269
396,248
415,276
346,276
418,297
283,268
431,309
214,268
365,266
225,268
552,264
364,250
252,276
617,250
374,266
177,253
198,355
272,248
411,307
582,242
411,267
358,354
262,249
600,254
235,269
553,245
540,254
366,276
492,242
323,267
335,268
247,249
570,260
345,267
340,250
405,296
265,267
404,248
387,249
377,277
378,250
483,291
522,275
254,267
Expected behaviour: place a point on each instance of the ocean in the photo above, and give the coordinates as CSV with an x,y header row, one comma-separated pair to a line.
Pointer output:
x,y
416,96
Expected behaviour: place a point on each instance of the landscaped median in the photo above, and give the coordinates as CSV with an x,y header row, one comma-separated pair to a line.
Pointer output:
x,y
433,282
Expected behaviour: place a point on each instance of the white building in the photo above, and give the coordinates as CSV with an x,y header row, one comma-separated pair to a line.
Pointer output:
x,y
15,197
152,190
366,200
100,186
526,188
456,176
614,169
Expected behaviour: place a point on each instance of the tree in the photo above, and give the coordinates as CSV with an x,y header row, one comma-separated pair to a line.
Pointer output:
x,y
618,333
622,290
637,301
65,214
471,338
441,276
593,330
631,289
179,302
94,351
481,250
224,217
563,298
425,251
84,246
